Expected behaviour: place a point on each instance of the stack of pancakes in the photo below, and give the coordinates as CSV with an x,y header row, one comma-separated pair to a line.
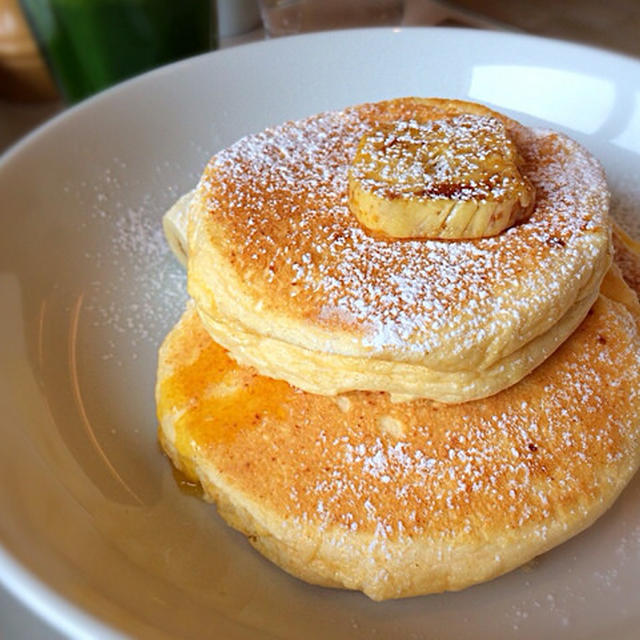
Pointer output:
x,y
402,415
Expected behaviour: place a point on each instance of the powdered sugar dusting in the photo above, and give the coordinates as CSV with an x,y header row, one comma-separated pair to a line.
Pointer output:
x,y
460,466
139,288
532,463
462,158
281,196
138,253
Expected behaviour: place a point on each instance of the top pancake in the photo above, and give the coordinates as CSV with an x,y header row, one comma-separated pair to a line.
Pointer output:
x,y
275,252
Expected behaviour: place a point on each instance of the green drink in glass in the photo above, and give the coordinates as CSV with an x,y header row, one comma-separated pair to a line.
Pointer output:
x,y
92,44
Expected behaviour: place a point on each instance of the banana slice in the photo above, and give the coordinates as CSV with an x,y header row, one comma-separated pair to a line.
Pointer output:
x,y
456,177
627,254
174,224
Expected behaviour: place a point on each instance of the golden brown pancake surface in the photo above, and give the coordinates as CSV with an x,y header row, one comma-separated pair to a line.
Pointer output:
x,y
275,251
403,499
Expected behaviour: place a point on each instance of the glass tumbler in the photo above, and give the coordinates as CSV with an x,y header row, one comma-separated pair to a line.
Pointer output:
x,y
92,44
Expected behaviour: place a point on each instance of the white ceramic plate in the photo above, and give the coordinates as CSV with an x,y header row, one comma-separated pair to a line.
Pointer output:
x,y
96,535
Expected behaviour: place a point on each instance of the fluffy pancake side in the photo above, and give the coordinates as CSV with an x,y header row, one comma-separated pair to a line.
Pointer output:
x,y
311,370
400,500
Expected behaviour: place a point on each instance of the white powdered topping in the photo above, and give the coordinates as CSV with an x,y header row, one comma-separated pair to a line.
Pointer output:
x,y
281,197
519,459
444,158
136,287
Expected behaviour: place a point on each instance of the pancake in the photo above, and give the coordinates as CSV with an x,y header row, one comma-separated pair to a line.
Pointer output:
x,y
398,500
287,280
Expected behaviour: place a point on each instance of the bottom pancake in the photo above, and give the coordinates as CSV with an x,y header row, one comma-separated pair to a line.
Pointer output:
x,y
404,499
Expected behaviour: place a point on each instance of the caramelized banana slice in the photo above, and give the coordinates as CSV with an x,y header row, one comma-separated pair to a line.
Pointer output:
x,y
627,254
457,177
174,224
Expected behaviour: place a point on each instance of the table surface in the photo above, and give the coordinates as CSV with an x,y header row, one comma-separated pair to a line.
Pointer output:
x,y
614,24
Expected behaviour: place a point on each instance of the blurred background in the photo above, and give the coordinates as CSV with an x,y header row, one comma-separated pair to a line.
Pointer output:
x,y
54,53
